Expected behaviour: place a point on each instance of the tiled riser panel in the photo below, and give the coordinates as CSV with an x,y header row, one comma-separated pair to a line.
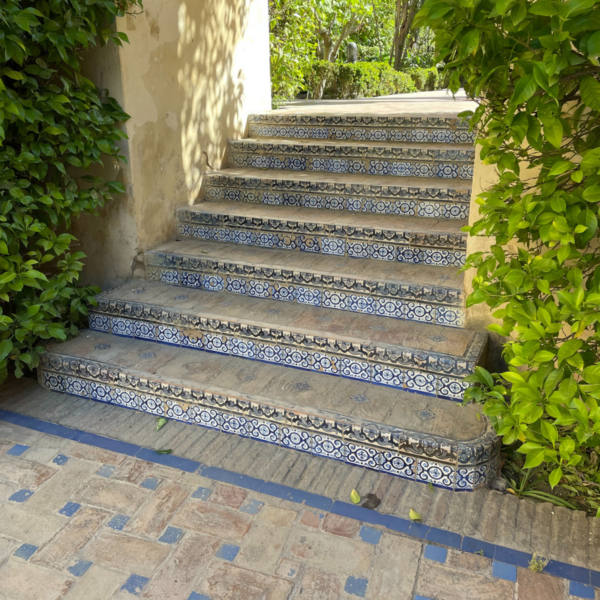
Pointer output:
x,y
329,245
360,134
285,353
451,316
409,207
380,166
450,476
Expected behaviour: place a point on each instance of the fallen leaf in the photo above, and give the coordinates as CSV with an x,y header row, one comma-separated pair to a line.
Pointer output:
x,y
161,422
163,451
414,515
354,497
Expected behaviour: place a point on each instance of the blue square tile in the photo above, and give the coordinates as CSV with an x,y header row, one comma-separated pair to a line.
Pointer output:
x,y
202,493
151,483
21,496
171,535
106,471
325,363
283,293
369,535
135,584
476,546
69,509
390,376
503,571
196,596
308,243
213,283
252,507
99,322
100,392
17,450
360,304
436,553
118,522
335,300
60,460
25,551
333,246
356,586
358,249
566,571
227,552
419,381
263,430
80,568
512,557
441,536
390,308
581,591
189,279
383,252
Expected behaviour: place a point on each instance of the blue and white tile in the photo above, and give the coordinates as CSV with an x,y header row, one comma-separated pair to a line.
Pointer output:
x,y
308,243
125,397
390,308
144,331
318,164
266,240
283,293
294,357
168,335
213,283
356,369
122,327
333,246
390,376
401,135
216,343
415,311
383,251
417,381
379,167
271,198
285,241
455,211
305,295
334,203
268,353
241,347
294,164
424,170
236,285
216,193
206,417
203,233
358,249
397,464
100,392
401,169
447,171
76,387
234,424
429,209
355,204
325,363
443,136
451,388
169,276
466,171
233,195
151,404
193,280
338,165
329,447
435,473
379,207
312,202
53,382
420,135
258,289
363,456
451,317
174,410
263,430
468,478
99,322
192,340
408,255
222,235
243,236
296,439
405,207
361,304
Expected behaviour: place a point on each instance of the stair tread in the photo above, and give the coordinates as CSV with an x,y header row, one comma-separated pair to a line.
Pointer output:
x,y
361,404
356,328
346,218
346,179
337,266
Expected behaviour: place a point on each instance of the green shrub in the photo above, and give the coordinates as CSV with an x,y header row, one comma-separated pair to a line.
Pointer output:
x,y
52,121
535,65
426,80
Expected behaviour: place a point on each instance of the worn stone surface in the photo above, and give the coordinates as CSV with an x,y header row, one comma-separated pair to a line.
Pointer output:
x,y
94,454
97,584
22,473
228,495
312,519
537,586
470,562
20,580
340,525
112,495
318,585
27,525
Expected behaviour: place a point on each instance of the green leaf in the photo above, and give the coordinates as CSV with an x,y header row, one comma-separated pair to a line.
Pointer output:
x,y
164,451
470,42
555,477
560,167
161,422
524,89
568,349
543,356
589,89
535,458
6,347
414,515
553,132
593,45
354,497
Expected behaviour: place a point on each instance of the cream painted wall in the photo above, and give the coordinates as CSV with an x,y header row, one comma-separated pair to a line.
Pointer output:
x,y
191,74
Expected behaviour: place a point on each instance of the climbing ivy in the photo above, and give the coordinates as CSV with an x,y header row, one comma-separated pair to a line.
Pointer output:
x,y
54,125
534,69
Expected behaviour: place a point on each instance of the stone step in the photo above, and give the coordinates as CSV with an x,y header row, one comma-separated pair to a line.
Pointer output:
x,y
361,128
408,291
443,161
383,194
407,435
438,242
417,357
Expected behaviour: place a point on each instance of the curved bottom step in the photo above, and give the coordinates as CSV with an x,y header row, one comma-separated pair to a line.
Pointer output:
x,y
408,435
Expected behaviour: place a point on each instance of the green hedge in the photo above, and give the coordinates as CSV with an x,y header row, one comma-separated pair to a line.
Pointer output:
x,y
368,79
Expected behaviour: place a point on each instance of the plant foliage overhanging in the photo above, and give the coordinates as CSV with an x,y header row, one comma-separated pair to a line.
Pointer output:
x,y
53,127
534,67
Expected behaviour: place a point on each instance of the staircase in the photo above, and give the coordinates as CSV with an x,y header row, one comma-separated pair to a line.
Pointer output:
x,y
311,300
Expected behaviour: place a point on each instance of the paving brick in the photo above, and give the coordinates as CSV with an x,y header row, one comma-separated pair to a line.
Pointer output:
x,y
311,518
159,510
228,495
339,525
213,519
126,553
59,490
537,586
460,585
225,581
262,546
339,554
395,567
135,471
80,528
7,547
26,525
6,491
23,473
178,574
94,454
45,450
468,561
288,568
318,585
20,580
116,496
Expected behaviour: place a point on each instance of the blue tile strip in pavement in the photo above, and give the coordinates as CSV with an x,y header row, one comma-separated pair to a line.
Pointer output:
x,y
580,577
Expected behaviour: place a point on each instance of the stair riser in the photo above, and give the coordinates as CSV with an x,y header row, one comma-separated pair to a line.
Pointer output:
x,y
317,295
392,200
363,134
426,459
407,370
407,165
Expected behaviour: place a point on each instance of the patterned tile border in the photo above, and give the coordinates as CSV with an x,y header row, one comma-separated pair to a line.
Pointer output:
x,y
396,161
458,466
427,304
420,531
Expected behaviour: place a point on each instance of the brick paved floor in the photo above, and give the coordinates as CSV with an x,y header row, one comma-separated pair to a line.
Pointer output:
x,y
81,522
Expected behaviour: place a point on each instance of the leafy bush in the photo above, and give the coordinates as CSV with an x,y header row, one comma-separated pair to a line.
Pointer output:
x,y
53,126
425,79
535,67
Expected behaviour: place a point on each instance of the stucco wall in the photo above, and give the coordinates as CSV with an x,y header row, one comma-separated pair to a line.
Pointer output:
x,y
189,77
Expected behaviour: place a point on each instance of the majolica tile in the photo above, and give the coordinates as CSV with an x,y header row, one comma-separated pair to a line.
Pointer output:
x,y
263,431
389,376
363,456
268,352
99,322
294,357
122,327
449,387
356,369
144,331
435,473
242,348
424,383
451,317
310,296
329,447
168,335
397,464
234,424
151,404
216,343
296,439
469,478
